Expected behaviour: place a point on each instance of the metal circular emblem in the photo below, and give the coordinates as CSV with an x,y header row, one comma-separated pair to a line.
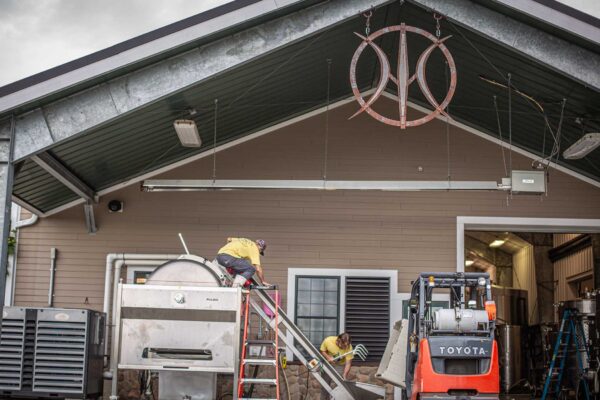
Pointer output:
x,y
403,79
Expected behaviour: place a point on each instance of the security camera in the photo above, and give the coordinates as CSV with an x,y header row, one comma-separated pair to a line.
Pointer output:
x,y
115,206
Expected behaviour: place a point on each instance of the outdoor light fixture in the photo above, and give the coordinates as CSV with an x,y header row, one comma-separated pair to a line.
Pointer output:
x,y
187,131
115,206
583,146
468,263
497,243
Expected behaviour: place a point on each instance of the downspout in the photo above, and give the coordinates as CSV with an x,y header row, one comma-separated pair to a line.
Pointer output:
x,y
20,224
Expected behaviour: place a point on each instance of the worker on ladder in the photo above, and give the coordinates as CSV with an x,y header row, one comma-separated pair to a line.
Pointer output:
x,y
337,350
242,257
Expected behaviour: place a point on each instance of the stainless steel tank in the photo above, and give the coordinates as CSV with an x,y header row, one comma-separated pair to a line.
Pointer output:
x,y
511,305
512,320
513,368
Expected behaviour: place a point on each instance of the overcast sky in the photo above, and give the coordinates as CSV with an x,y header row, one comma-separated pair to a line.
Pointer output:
x,y
39,34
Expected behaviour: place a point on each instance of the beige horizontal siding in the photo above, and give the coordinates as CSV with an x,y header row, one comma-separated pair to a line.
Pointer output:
x,y
407,231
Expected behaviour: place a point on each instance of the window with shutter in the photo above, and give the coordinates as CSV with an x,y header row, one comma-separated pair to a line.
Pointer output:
x,y
368,313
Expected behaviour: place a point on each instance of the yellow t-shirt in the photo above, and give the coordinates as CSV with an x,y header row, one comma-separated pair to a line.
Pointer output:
x,y
330,346
242,248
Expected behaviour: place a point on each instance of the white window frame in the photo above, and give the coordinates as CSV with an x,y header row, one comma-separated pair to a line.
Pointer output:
x,y
395,302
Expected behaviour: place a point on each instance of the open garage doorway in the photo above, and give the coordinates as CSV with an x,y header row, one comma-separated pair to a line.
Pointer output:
x,y
537,265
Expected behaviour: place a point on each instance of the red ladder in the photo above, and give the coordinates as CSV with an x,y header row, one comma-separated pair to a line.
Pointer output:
x,y
245,361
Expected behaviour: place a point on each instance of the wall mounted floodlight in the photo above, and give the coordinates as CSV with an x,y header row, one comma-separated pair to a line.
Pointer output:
x,y
583,146
187,131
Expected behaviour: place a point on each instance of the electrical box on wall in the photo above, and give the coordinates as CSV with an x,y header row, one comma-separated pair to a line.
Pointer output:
x,y
533,182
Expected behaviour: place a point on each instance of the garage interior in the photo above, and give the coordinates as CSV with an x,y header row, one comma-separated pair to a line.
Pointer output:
x,y
535,274
362,219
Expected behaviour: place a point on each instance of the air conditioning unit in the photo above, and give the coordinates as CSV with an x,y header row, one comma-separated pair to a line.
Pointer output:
x,y
51,352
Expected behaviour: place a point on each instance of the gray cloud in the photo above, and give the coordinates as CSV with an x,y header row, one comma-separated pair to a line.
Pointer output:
x,y
39,34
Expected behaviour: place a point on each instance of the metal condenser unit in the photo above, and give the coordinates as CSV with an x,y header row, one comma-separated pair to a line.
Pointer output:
x,y
51,352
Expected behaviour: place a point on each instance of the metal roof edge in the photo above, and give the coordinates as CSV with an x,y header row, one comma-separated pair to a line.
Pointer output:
x,y
558,16
137,49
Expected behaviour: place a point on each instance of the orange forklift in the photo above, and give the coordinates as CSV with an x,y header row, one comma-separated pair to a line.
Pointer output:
x,y
451,353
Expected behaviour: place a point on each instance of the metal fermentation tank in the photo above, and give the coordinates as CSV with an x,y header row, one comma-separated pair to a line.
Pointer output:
x,y
512,318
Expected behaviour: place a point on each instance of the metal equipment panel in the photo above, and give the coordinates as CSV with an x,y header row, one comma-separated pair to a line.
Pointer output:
x,y
60,351
528,181
179,328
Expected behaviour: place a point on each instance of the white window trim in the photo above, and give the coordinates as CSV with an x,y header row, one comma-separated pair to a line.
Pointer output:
x,y
395,306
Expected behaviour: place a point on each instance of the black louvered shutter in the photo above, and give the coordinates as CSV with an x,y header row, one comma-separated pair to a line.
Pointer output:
x,y
368,313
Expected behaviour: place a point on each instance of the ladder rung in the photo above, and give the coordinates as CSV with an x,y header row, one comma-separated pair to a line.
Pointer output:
x,y
260,342
259,361
263,381
260,287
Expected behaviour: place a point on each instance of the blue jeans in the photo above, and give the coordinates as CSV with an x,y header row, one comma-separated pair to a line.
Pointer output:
x,y
240,266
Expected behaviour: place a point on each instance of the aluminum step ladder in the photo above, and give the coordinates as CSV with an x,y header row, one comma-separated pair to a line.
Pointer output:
x,y
570,334
343,388
299,339
263,358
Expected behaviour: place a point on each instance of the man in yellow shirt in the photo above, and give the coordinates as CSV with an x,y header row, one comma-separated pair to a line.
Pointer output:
x,y
243,257
333,347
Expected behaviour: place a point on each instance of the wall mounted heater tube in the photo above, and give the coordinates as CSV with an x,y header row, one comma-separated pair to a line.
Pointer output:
x,y
157,185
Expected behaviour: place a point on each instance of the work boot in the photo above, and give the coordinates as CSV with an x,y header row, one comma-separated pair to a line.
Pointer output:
x,y
239,281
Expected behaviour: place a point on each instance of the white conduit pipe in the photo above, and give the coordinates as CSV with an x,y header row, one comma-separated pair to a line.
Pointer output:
x,y
117,260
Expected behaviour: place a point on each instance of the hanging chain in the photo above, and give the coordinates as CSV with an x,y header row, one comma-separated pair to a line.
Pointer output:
x,y
438,30
214,177
368,16
509,84
447,126
326,152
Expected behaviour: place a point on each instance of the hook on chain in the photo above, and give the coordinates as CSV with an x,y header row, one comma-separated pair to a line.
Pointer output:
x,y
368,16
438,31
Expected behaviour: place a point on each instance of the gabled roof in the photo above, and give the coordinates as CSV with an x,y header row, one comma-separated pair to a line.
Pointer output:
x,y
273,67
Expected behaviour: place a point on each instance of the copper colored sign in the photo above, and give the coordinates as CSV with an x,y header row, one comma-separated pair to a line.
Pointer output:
x,y
403,79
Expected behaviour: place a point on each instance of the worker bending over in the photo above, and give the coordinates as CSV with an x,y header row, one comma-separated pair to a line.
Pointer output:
x,y
242,256
333,348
